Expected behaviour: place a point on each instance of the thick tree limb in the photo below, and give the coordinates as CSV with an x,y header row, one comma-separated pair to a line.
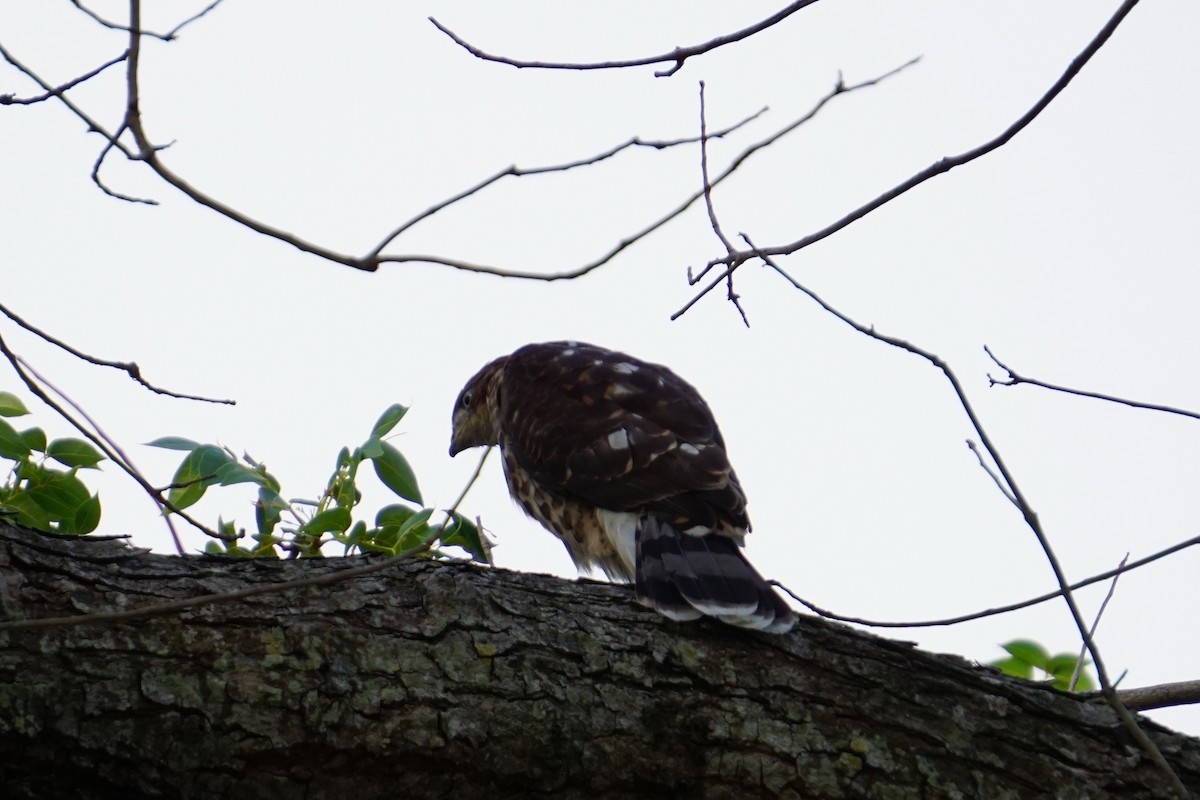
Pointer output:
x,y
447,680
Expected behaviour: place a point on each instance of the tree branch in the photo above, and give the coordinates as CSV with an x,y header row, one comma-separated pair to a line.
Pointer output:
x,y
1014,379
57,91
1027,512
990,612
166,37
129,367
676,56
734,260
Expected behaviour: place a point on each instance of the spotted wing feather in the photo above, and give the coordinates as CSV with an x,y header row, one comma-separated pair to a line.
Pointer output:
x,y
619,433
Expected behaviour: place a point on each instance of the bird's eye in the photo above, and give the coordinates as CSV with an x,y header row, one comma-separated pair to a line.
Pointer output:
x,y
466,400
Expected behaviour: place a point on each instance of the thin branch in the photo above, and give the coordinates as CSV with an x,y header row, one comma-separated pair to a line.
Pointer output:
x,y
147,153
57,91
991,612
24,373
1112,587
96,179
712,213
734,260
1027,512
474,477
93,126
171,34
1014,379
517,172
125,462
1162,696
372,261
483,538
675,57
129,367
166,37
991,474
839,89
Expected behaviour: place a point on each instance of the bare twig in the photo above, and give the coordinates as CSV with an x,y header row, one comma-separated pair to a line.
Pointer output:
x,y
483,539
373,260
1028,514
990,612
732,261
133,370
1112,587
144,151
991,474
1014,379
1162,696
34,383
96,179
57,91
712,213
517,172
471,482
166,37
76,110
675,57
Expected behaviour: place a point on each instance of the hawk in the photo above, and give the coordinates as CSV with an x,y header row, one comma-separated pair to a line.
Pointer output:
x,y
623,461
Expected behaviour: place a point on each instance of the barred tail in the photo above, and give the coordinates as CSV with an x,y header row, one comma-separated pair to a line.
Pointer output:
x,y
684,576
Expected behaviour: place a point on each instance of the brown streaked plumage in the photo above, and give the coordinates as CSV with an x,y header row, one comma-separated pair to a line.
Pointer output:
x,y
623,461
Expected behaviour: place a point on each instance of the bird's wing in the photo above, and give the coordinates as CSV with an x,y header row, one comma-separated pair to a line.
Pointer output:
x,y
617,433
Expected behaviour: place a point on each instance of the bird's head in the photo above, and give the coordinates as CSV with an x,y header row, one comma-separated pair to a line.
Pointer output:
x,y
476,419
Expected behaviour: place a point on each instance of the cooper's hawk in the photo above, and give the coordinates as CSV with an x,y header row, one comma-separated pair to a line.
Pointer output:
x,y
623,461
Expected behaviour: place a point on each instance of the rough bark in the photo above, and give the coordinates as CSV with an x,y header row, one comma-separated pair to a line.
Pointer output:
x,y
448,680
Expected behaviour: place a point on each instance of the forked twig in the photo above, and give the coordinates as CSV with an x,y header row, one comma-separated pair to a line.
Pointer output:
x,y
732,261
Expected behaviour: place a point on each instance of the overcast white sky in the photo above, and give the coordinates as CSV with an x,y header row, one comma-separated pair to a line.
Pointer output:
x,y
1072,252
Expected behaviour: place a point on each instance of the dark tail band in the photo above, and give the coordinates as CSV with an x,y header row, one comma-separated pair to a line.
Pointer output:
x,y
684,576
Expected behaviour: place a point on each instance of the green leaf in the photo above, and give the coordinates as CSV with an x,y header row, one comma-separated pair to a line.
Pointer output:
x,y
268,509
268,480
346,493
74,453
1062,664
1015,667
33,472
394,514
462,532
356,532
232,472
1028,651
12,444
381,540
227,530
196,474
415,529
29,513
35,438
11,405
61,495
372,448
393,469
331,519
388,420
173,443
88,516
